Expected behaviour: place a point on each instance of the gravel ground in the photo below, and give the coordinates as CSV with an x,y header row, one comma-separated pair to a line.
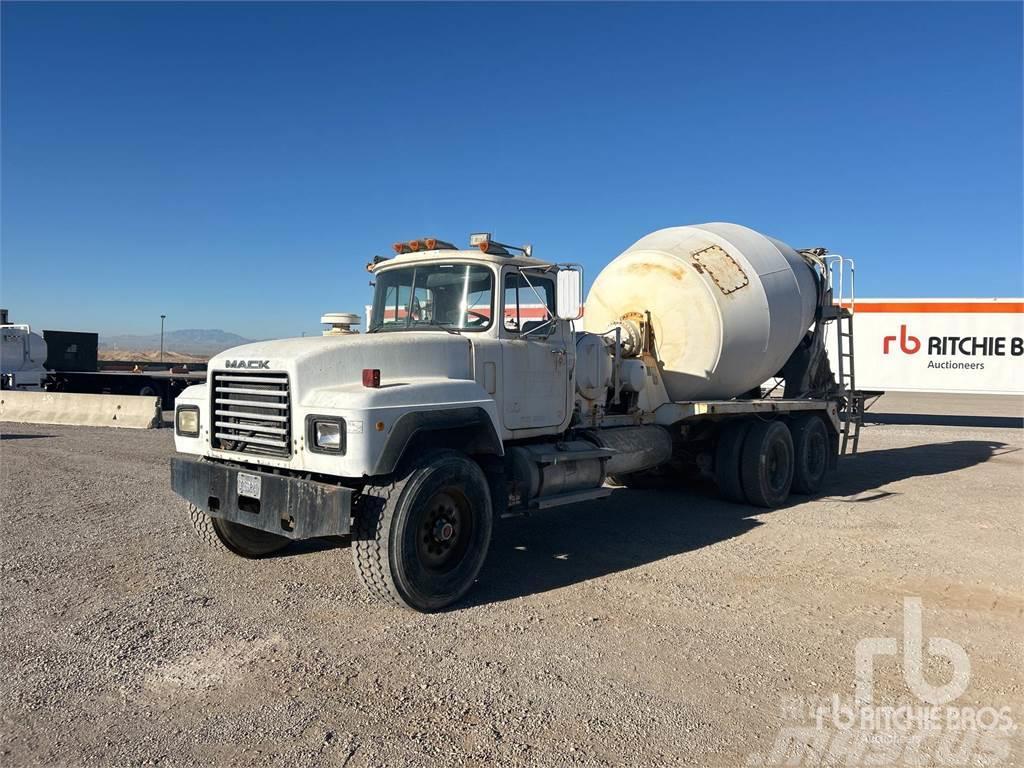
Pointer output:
x,y
651,628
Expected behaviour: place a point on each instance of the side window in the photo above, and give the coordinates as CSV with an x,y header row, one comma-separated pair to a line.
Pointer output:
x,y
510,318
529,302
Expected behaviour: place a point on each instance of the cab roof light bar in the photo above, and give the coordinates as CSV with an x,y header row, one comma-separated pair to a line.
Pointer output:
x,y
423,244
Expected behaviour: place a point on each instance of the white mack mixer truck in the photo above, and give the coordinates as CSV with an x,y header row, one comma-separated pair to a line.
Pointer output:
x,y
473,395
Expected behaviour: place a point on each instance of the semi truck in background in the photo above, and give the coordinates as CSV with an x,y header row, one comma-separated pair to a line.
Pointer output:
x,y
458,406
68,361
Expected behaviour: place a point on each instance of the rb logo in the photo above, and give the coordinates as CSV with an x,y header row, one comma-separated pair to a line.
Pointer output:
x,y
909,345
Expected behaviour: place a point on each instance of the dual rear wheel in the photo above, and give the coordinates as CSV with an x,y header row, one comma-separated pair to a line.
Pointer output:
x,y
762,462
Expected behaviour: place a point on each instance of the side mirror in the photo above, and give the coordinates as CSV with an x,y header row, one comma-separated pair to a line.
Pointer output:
x,y
569,289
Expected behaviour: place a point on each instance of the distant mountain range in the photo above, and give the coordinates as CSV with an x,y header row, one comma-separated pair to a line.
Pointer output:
x,y
192,341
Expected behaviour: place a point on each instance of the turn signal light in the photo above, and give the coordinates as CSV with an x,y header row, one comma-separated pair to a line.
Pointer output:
x,y
423,244
371,378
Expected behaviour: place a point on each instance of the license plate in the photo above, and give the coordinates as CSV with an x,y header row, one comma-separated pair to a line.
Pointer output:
x,y
249,485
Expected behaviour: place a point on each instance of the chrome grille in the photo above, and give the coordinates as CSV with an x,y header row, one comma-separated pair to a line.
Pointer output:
x,y
251,412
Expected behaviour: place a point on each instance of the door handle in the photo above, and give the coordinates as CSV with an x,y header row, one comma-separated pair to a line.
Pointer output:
x,y
557,351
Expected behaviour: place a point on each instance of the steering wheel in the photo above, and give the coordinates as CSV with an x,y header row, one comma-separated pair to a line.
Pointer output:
x,y
478,318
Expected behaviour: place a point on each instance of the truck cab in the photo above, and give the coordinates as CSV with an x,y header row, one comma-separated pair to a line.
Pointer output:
x,y
506,307
467,351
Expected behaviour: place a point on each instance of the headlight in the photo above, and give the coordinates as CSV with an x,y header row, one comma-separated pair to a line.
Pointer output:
x,y
186,421
326,435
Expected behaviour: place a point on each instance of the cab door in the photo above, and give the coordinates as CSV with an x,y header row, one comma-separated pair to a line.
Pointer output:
x,y
534,355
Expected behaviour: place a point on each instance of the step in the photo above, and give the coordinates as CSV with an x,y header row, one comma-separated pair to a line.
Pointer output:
x,y
546,502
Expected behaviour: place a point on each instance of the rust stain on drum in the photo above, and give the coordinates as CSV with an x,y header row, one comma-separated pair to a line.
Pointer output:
x,y
648,267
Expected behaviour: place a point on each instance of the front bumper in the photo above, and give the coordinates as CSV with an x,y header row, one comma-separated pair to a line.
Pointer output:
x,y
288,506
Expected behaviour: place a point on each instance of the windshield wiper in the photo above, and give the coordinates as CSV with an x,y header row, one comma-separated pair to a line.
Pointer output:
x,y
412,327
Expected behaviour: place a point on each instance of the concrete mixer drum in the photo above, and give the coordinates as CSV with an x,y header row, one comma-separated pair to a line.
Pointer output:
x,y
725,306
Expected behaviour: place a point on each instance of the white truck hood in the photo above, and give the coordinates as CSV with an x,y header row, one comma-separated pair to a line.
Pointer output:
x,y
419,371
330,361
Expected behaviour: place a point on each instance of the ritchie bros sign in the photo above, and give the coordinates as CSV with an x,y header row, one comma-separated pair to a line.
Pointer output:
x,y
940,345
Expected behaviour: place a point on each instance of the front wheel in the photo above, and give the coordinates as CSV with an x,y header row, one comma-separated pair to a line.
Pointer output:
x,y
240,540
421,540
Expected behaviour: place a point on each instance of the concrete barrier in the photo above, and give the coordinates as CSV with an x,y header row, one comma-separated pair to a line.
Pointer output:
x,y
125,411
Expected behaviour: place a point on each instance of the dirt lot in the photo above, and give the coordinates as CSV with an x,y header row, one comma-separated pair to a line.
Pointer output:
x,y
649,628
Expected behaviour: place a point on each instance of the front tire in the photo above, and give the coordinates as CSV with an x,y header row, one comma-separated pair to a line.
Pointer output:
x,y
225,536
420,541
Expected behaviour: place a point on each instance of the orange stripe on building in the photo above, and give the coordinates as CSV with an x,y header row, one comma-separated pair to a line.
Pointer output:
x,y
927,307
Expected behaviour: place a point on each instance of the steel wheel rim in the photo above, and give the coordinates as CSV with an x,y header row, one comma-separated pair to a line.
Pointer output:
x,y
444,531
816,452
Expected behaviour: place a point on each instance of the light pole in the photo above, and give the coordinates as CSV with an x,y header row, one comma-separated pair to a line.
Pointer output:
x,y
162,339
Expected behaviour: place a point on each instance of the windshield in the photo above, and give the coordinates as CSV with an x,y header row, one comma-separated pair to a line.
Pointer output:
x,y
450,296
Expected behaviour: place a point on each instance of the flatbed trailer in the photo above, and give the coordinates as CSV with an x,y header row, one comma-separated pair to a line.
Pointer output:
x,y
166,385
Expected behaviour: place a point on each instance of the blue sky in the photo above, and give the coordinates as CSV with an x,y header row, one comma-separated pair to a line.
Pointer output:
x,y
235,165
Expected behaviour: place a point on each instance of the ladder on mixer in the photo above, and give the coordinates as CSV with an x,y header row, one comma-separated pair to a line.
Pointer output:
x,y
841,272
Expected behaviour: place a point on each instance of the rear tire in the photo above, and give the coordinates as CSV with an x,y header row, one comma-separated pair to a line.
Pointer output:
x,y
225,536
420,541
767,467
810,449
728,457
